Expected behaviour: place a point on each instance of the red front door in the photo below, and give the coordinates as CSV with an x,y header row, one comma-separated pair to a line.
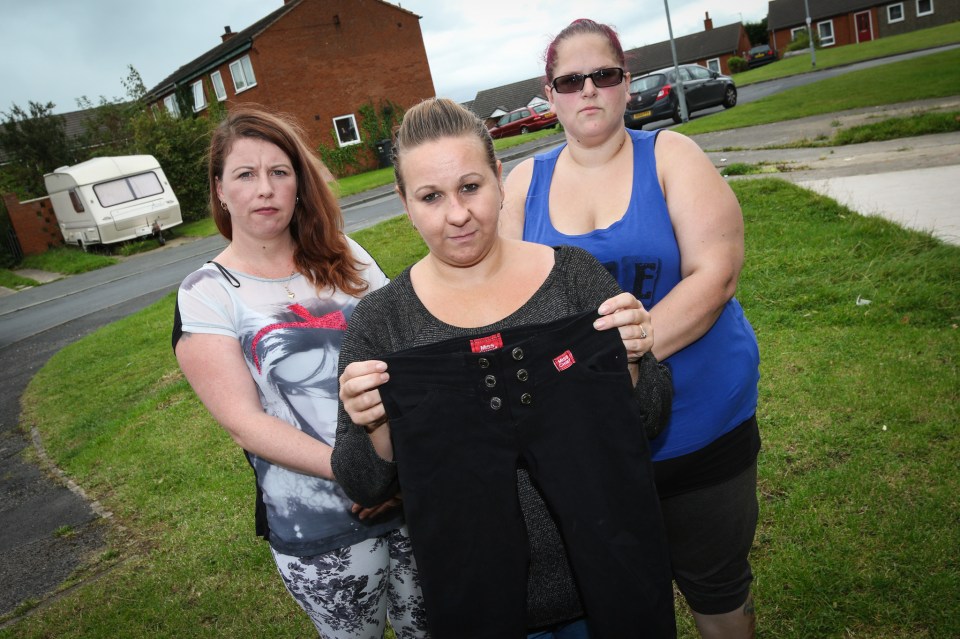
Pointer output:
x,y
864,32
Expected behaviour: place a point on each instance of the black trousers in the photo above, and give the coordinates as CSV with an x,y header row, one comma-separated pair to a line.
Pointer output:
x,y
557,398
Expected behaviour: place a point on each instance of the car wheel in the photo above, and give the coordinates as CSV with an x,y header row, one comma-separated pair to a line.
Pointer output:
x,y
675,114
524,130
730,98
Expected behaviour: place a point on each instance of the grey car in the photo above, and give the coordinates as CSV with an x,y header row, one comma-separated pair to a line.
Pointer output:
x,y
654,96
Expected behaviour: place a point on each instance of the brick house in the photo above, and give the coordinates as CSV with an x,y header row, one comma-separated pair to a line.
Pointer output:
x,y
319,60
841,22
712,48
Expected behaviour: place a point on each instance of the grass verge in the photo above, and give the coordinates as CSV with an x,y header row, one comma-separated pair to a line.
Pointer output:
x,y
858,480
933,76
840,56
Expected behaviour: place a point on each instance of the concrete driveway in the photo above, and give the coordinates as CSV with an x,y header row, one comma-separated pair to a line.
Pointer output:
x,y
914,182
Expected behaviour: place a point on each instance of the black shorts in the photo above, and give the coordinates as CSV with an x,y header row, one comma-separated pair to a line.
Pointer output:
x,y
710,531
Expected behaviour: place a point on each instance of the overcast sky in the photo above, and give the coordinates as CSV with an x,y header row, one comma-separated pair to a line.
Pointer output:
x,y
59,50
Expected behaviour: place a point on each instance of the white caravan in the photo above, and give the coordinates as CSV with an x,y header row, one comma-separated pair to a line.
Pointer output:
x,y
112,199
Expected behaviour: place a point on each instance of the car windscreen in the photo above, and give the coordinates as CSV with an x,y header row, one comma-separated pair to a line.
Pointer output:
x,y
646,83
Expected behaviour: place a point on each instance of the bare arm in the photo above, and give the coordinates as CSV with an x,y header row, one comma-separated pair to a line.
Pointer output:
x,y
215,368
708,225
515,199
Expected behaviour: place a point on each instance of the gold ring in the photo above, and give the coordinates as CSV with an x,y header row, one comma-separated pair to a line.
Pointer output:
x,y
643,333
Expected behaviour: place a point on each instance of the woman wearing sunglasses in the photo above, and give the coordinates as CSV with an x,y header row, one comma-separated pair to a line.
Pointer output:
x,y
653,209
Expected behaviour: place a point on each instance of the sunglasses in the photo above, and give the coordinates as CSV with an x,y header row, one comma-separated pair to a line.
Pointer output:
x,y
602,78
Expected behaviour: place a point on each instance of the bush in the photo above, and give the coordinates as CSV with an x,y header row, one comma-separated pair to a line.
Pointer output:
x,y
801,41
737,64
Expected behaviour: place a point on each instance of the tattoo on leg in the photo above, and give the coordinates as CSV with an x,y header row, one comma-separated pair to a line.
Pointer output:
x,y
748,610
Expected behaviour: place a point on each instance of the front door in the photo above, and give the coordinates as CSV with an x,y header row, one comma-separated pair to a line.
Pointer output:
x,y
864,31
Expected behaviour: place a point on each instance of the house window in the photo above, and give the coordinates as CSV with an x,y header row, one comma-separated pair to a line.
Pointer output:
x,y
796,31
217,81
895,12
924,7
199,100
345,127
242,73
714,64
170,103
825,30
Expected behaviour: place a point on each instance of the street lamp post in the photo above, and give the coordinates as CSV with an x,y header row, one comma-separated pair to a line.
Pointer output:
x,y
676,67
813,50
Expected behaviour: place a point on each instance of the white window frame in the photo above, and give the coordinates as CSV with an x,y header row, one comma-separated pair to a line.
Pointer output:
x,y
714,64
170,104
217,81
353,125
927,12
199,98
794,31
242,73
826,42
890,8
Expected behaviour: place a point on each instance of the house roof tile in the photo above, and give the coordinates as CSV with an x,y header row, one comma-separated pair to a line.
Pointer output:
x,y
232,46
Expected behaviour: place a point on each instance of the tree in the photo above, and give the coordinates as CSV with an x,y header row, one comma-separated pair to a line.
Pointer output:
x,y
757,32
108,127
35,141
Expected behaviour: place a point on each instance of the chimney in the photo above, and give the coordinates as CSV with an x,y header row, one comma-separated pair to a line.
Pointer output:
x,y
707,22
227,34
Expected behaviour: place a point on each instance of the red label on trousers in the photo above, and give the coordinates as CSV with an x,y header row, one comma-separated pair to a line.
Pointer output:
x,y
564,361
484,344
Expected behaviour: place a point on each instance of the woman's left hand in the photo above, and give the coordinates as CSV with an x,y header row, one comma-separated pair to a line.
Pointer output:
x,y
627,314
375,511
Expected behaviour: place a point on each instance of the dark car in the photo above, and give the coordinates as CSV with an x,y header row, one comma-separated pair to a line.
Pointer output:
x,y
654,96
760,55
524,120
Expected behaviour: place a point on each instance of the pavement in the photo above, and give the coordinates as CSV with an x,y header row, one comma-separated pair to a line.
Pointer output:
x,y
914,182
911,181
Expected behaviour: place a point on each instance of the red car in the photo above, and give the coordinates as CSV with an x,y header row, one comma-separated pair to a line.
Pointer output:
x,y
524,120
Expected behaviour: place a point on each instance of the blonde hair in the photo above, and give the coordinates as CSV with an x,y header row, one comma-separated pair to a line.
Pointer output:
x,y
431,120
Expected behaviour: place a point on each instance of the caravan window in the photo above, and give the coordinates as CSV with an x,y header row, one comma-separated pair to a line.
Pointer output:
x,y
127,189
76,201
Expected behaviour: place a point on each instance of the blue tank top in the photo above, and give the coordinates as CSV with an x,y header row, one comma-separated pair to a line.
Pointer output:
x,y
715,378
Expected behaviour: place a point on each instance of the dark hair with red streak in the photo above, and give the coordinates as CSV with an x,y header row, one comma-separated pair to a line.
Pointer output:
x,y
322,253
583,26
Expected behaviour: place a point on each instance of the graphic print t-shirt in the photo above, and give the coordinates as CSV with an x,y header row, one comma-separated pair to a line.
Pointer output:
x,y
291,347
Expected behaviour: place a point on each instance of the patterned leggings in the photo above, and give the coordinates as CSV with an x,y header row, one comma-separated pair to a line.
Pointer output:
x,y
350,592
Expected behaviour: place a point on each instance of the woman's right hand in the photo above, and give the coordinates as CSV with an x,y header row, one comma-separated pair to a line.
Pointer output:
x,y
359,394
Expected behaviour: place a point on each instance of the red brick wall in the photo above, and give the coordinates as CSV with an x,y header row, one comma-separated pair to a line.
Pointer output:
x,y
326,59
35,224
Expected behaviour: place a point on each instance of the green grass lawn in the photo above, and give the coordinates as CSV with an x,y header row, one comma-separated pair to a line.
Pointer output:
x,y
858,481
932,76
840,56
